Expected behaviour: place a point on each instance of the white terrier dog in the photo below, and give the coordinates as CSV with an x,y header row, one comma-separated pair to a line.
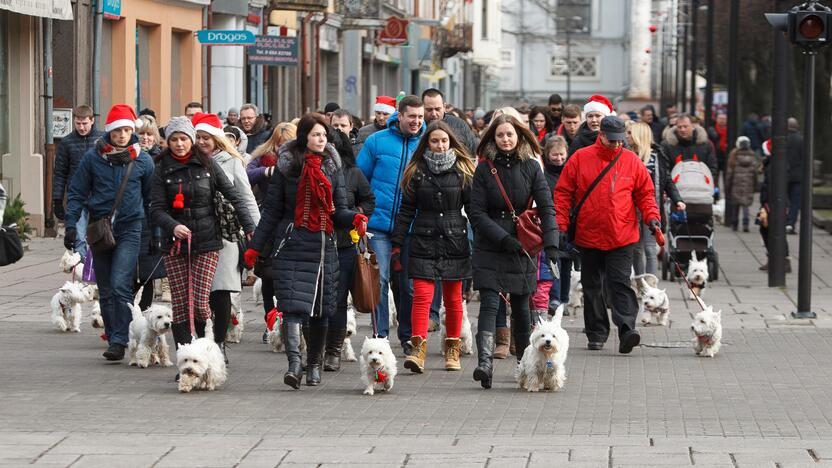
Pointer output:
x,y
257,291
465,336
576,293
71,263
275,337
391,309
544,360
236,326
378,365
96,319
66,305
719,210
201,363
347,353
638,286
707,331
147,344
697,275
655,304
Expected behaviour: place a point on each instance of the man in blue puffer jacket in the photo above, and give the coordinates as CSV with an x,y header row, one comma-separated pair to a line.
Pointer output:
x,y
383,159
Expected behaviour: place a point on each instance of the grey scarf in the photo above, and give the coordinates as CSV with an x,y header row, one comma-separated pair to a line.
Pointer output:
x,y
440,162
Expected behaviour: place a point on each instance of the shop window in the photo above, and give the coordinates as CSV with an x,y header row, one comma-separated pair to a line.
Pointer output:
x,y
106,81
143,55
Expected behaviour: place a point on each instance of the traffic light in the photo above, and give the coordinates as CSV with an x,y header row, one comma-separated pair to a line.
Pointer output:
x,y
806,25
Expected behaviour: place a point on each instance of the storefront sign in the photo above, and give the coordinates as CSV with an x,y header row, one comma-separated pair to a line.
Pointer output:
x,y
112,9
224,37
274,50
61,122
394,32
55,9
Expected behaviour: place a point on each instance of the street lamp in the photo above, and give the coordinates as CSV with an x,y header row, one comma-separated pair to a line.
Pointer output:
x,y
567,20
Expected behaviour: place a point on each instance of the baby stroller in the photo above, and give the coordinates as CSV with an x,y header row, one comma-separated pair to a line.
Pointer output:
x,y
692,230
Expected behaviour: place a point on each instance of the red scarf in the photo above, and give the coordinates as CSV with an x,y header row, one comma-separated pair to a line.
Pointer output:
x,y
313,205
541,134
182,159
723,137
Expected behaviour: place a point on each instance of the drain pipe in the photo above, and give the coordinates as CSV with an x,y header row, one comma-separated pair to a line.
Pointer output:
x,y
96,58
48,135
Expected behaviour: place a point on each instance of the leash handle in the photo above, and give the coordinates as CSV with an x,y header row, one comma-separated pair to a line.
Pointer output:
x,y
191,294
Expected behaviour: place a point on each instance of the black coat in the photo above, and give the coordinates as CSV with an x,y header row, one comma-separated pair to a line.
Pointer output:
x,y
198,185
260,133
522,178
552,174
585,137
794,156
67,157
305,284
360,198
432,204
698,147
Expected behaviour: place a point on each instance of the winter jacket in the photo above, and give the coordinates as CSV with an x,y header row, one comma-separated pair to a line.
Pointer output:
x,y
259,134
585,137
657,127
552,174
360,198
198,184
607,219
364,133
698,148
432,205
96,181
299,283
522,178
662,183
382,159
558,131
753,130
67,157
794,156
741,175
462,132
258,179
227,277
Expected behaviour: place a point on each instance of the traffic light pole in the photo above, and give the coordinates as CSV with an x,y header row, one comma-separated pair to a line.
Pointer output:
x,y
777,166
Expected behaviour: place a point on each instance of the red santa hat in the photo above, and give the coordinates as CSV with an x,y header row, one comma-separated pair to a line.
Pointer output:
x,y
598,103
385,104
122,115
767,147
208,123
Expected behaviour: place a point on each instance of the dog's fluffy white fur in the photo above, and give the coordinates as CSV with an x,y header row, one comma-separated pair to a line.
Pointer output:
x,y
465,335
71,264
707,332
719,211
257,291
697,275
576,293
544,360
201,363
66,305
147,344
347,353
655,305
391,310
236,326
377,359
96,320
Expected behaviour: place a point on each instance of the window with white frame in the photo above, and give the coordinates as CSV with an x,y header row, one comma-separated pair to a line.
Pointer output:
x,y
580,66
575,15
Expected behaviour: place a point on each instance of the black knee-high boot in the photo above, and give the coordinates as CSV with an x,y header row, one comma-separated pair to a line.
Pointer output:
x,y
485,356
291,340
314,353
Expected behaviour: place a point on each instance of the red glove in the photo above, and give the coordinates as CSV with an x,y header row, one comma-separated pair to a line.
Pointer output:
x,y
250,257
657,232
395,259
360,224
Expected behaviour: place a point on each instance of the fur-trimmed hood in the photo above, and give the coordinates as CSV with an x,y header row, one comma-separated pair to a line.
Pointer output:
x,y
700,136
524,150
288,154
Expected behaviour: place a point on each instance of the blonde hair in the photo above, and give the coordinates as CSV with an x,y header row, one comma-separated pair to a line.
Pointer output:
x,y
149,126
556,141
508,110
642,136
282,133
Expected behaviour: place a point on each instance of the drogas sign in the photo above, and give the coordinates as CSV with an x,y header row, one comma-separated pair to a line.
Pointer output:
x,y
225,37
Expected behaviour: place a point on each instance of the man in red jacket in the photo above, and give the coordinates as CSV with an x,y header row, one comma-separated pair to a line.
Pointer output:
x,y
607,228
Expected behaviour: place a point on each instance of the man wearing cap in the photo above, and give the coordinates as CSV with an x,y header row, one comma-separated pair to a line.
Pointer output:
x,y
595,109
382,109
93,188
607,229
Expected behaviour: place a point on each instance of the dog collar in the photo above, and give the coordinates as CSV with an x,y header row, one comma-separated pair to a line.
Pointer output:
x,y
550,365
380,376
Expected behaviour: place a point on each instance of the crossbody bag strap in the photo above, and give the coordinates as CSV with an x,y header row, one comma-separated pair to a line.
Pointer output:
x,y
502,189
574,213
121,188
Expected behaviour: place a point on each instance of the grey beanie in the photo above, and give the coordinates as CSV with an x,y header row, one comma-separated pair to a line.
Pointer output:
x,y
233,110
181,125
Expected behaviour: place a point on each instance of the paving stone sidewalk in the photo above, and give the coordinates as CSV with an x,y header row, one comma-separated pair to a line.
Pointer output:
x,y
763,401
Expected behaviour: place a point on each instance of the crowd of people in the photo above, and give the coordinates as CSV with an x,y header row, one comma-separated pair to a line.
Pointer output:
x,y
210,205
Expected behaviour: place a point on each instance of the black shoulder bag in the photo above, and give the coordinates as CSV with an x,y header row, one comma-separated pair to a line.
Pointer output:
x,y
100,236
573,214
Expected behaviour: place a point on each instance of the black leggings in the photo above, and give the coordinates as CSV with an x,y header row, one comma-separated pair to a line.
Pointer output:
x,y
268,296
490,302
220,302
147,294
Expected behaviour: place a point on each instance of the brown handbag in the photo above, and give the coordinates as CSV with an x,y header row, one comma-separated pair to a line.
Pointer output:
x,y
529,230
366,285
100,236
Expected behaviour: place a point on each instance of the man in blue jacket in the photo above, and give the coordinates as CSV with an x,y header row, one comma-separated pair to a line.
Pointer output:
x,y
67,157
383,159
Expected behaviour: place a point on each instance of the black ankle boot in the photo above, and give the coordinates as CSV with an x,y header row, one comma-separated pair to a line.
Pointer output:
x,y
314,354
485,356
334,344
291,340
521,340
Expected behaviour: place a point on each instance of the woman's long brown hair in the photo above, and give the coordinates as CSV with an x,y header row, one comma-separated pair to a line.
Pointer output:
x,y
464,162
523,133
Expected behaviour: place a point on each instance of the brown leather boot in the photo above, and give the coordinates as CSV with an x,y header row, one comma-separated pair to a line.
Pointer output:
x,y
416,361
452,349
503,337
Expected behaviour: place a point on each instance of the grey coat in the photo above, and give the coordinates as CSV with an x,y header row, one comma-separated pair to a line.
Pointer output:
x,y
741,174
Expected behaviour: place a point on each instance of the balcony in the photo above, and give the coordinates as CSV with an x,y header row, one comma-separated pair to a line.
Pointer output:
x,y
458,39
301,5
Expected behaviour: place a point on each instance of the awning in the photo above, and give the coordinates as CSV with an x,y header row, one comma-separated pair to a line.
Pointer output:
x,y
55,9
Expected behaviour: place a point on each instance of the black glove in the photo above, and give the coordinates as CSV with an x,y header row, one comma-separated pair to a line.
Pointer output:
x,y
510,244
654,224
562,242
552,253
58,208
69,238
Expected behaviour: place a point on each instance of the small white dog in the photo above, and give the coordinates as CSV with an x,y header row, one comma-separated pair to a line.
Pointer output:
x,y
707,331
466,337
275,337
544,360
347,353
391,309
697,275
576,293
147,344
257,291
66,305
236,326
655,304
71,263
719,210
638,286
378,365
201,363
96,319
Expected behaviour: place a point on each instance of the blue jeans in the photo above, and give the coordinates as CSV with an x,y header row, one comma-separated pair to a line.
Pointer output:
x,y
114,273
81,229
794,203
402,288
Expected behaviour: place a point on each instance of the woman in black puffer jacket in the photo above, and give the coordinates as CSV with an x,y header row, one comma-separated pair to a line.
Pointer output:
x,y
436,186
305,202
501,266
184,208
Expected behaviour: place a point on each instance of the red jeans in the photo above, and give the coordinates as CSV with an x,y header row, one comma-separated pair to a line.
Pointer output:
x,y
423,296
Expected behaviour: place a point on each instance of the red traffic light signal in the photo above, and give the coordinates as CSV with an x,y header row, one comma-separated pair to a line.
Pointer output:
x,y
812,27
